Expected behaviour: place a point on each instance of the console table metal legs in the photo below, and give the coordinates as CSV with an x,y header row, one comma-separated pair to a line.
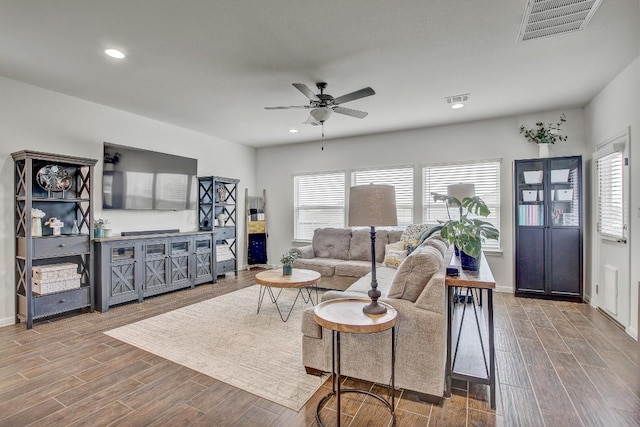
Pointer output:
x,y
490,377
337,391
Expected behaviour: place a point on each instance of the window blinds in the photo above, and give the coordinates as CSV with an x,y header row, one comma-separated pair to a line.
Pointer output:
x,y
610,197
318,202
484,175
400,178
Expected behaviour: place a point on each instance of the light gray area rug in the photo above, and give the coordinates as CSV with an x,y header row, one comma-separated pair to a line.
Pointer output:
x,y
224,338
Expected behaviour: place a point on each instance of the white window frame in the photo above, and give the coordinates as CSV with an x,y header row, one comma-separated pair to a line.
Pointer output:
x,y
487,188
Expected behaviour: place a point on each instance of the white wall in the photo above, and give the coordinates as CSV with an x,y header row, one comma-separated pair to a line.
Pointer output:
x,y
37,119
614,109
489,139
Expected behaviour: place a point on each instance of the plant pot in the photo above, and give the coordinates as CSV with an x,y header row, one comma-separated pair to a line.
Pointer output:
x,y
287,269
469,263
98,233
544,150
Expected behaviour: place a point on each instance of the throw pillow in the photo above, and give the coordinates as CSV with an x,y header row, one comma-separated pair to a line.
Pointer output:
x,y
394,254
431,231
412,233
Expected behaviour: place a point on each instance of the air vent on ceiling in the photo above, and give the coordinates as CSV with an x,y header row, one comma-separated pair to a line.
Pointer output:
x,y
545,18
453,99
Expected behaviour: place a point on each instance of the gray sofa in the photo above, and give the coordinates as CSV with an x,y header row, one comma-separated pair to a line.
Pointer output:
x,y
343,255
417,291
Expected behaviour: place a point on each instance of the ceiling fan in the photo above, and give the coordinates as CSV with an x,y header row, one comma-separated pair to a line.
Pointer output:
x,y
322,105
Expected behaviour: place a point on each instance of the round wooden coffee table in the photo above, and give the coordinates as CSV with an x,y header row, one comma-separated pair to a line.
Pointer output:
x,y
345,315
299,278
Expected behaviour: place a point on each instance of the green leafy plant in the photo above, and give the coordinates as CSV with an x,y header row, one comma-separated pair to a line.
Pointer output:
x,y
548,134
100,223
289,257
468,232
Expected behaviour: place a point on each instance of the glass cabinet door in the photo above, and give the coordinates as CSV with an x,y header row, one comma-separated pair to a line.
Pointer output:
x,y
530,193
564,192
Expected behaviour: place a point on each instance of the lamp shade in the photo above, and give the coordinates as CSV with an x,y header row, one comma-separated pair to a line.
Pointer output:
x,y
372,205
460,191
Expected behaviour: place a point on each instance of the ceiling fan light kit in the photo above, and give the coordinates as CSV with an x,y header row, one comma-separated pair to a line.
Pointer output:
x,y
323,105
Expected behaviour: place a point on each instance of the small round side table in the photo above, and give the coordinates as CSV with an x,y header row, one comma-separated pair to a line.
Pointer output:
x,y
345,315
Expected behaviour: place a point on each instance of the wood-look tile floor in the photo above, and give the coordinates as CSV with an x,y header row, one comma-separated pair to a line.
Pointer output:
x,y
558,364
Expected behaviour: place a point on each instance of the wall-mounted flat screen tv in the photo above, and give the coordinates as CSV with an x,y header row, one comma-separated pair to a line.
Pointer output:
x,y
134,178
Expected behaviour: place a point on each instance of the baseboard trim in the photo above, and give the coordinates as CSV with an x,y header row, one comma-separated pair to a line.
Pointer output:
x,y
506,289
633,332
7,321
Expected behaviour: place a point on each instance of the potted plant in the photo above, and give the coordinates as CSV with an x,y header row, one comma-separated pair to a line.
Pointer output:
x,y
287,260
99,226
543,135
468,232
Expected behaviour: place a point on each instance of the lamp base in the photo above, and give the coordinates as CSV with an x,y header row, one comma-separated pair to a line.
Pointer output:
x,y
374,308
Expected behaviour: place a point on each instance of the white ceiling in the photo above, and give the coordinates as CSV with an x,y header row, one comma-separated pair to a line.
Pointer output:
x,y
212,65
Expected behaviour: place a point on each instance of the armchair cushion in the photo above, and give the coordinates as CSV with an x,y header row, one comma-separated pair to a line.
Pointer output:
x,y
305,251
332,243
414,273
360,248
437,243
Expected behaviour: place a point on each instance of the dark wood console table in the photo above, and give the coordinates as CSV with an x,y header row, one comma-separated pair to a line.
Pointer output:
x,y
481,280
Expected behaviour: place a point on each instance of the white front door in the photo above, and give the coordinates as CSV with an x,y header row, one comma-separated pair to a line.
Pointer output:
x,y
612,275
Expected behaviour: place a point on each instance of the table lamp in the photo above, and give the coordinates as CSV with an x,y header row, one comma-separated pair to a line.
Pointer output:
x,y
373,205
460,191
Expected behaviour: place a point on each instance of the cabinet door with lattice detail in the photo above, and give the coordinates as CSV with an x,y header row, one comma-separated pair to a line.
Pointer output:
x,y
180,261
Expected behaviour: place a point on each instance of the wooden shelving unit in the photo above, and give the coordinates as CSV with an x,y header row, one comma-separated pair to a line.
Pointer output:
x,y
69,198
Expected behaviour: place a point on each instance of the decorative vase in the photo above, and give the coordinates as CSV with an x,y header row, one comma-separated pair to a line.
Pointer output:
x,y
36,227
287,269
98,233
545,150
468,262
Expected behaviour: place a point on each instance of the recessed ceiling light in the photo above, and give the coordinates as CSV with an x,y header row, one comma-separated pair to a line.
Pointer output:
x,y
293,130
114,53
458,105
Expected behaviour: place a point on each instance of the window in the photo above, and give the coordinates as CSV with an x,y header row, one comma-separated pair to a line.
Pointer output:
x,y
486,177
610,197
400,178
318,201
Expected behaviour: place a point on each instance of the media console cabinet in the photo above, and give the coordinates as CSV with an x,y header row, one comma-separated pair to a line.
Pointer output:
x,y
130,268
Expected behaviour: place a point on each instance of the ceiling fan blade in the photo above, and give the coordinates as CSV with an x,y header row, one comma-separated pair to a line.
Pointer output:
x,y
367,91
287,107
351,112
306,91
311,121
